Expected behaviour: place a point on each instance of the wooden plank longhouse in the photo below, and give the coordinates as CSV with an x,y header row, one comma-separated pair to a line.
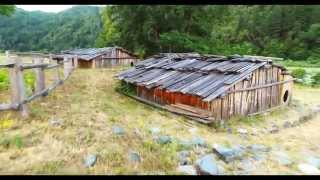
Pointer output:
x,y
210,87
98,57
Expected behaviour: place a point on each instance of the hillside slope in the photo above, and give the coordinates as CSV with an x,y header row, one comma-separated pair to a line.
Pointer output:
x,y
87,108
78,26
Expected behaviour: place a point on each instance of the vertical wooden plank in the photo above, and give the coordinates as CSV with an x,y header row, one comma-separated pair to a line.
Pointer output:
x,y
40,76
67,65
76,61
18,93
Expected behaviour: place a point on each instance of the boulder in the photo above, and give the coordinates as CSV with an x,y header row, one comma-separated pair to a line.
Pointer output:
x,y
247,166
198,141
55,122
164,139
274,129
154,130
282,158
242,131
118,130
134,156
228,154
308,169
315,161
287,124
207,165
90,160
187,170
258,148
184,157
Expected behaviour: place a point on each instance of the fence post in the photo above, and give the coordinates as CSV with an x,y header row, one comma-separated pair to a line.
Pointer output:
x,y
17,85
67,65
40,76
57,75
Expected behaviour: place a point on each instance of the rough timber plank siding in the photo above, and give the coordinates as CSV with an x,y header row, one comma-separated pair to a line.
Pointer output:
x,y
237,98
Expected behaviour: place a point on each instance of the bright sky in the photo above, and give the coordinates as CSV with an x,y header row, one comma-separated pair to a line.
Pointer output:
x,y
46,8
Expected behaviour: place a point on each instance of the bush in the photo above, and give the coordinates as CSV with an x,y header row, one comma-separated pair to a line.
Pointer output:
x,y
4,80
316,79
299,73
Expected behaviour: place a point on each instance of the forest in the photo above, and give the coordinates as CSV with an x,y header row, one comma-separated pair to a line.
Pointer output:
x,y
287,31
42,31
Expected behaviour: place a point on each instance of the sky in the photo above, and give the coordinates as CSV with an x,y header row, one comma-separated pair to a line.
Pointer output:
x,y
45,8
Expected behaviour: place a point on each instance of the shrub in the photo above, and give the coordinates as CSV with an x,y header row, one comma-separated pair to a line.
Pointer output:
x,y
299,73
126,88
316,79
4,80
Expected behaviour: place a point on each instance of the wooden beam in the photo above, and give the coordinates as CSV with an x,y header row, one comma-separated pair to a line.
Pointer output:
x,y
40,76
262,86
32,66
4,107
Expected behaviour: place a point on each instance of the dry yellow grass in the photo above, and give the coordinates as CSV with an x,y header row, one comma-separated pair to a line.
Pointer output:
x,y
89,106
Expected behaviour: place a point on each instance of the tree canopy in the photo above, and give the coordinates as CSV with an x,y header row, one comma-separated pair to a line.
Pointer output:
x,y
273,30
6,10
37,30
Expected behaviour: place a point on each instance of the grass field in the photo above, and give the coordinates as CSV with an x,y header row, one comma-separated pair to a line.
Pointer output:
x,y
89,106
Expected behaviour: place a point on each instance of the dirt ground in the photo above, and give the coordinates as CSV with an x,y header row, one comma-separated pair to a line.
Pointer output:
x,y
88,107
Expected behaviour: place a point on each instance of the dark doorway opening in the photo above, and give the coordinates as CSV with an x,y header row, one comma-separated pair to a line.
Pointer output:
x,y
286,96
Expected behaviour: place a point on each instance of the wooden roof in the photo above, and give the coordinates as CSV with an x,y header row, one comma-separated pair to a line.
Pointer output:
x,y
90,53
190,73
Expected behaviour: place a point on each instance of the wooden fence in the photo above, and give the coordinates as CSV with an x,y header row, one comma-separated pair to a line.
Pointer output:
x,y
16,66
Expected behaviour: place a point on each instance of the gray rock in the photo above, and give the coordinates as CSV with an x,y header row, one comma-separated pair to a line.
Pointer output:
x,y
228,154
207,165
287,124
295,123
282,158
164,139
247,166
242,131
315,161
154,130
198,141
134,156
184,157
274,129
254,132
308,169
258,148
90,160
229,130
187,169
305,118
259,157
117,130
55,122
316,109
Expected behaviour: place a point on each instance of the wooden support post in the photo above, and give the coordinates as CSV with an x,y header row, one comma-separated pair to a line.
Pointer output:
x,y
76,62
40,76
67,65
17,85
93,63
57,75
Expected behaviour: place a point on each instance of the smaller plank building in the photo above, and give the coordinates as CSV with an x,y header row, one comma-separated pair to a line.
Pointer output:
x,y
209,88
98,57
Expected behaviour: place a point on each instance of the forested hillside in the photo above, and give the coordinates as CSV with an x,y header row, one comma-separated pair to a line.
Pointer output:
x,y
273,30
288,31
25,31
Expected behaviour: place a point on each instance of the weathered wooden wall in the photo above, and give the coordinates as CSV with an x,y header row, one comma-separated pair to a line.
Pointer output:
x,y
234,103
